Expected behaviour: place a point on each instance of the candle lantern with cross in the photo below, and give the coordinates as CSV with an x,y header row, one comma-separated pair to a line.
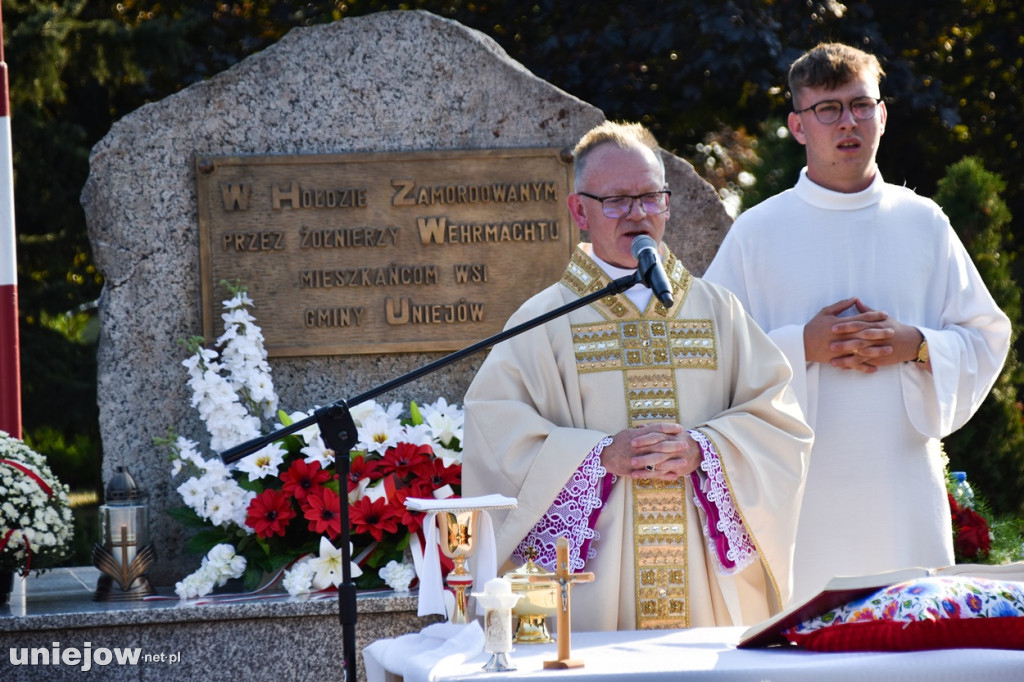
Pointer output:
x,y
123,553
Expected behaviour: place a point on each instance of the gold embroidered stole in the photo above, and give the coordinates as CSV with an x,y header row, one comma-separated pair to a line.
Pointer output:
x,y
647,348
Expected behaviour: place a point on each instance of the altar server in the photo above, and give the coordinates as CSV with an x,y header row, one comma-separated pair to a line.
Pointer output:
x,y
892,335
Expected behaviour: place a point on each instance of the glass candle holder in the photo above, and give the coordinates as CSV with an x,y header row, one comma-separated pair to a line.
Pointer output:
x,y
123,553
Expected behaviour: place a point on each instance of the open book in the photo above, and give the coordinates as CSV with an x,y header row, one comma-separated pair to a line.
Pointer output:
x,y
842,589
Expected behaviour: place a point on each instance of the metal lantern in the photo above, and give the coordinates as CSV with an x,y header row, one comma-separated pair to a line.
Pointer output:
x,y
123,553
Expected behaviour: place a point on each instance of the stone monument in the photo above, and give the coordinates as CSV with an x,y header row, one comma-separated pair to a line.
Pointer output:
x,y
402,81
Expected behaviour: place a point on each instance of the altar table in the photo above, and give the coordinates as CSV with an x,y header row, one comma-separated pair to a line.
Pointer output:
x,y
694,654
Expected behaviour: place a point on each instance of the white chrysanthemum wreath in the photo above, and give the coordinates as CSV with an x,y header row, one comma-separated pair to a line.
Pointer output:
x,y
36,524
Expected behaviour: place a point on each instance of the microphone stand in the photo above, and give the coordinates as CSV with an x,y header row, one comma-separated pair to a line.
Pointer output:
x,y
340,435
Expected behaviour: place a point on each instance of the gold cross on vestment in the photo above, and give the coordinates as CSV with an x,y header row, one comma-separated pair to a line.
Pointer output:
x,y
565,580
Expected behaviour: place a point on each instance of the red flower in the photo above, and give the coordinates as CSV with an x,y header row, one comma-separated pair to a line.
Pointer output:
x,y
269,513
971,539
413,520
415,487
438,475
403,458
376,518
304,479
361,468
323,511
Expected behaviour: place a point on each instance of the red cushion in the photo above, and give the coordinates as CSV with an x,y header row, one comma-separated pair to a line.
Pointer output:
x,y
969,633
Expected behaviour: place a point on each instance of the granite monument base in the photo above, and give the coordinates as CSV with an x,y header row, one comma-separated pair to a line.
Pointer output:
x,y
52,629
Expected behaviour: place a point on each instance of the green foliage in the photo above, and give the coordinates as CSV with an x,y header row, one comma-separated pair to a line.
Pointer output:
x,y
1007,532
86,534
72,458
708,76
778,164
970,197
990,447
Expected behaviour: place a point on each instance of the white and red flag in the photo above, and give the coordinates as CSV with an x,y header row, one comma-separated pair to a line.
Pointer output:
x,y
10,369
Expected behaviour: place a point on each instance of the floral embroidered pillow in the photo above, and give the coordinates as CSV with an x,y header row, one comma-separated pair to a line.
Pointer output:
x,y
928,613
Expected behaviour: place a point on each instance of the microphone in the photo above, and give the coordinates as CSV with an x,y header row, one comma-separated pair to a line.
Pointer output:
x,y
649,268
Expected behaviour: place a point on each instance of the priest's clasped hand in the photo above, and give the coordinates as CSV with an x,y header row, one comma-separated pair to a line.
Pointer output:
x,y
662,451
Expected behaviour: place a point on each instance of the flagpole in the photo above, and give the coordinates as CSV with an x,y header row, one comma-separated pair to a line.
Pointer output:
x,y
10,369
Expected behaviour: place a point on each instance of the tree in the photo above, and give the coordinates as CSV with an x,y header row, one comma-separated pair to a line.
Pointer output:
x,y
76,67
990,447
708,76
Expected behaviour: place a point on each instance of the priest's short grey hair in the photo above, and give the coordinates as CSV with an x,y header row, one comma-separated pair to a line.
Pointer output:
x,y
624,135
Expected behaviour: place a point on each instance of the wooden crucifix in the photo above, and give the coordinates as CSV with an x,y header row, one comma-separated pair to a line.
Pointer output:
x,y
565,579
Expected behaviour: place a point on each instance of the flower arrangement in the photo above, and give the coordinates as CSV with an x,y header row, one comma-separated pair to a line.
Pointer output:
x,y
278,508
972,539
36,524
979,536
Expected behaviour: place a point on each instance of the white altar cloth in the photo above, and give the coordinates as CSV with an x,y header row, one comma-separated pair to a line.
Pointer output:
x,y
453,653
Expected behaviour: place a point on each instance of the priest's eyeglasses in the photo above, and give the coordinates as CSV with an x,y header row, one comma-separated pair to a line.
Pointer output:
x,y
619,206
831,110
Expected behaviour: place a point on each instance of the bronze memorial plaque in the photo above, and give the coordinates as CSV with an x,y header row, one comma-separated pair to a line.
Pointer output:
x,y
382,252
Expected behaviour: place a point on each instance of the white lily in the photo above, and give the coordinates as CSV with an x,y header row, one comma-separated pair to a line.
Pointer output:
x,y
327,567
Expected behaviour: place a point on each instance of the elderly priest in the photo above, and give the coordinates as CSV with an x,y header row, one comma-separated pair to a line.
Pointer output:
x,y
657,432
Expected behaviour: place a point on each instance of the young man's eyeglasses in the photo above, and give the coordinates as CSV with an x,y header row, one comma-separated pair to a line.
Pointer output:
x,y
619,206
831,110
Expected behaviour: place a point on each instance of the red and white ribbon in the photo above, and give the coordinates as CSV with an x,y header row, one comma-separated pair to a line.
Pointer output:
x,y
42,486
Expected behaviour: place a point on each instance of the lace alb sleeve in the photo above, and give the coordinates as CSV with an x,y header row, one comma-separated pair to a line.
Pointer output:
x,y
726,536
572,515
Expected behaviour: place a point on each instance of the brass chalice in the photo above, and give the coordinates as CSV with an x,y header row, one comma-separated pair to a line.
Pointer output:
x,y
458,542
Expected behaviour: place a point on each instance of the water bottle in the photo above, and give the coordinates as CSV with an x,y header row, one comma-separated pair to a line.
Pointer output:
x,y
962,492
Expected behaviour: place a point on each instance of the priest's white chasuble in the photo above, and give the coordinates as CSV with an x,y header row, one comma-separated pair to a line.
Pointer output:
x,y
544,401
